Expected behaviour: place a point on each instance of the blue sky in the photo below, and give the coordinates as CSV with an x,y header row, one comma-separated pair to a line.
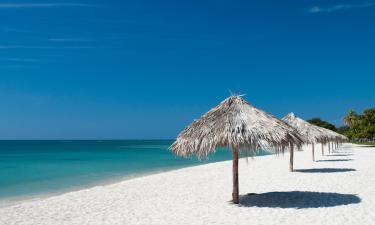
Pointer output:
x,y
145,69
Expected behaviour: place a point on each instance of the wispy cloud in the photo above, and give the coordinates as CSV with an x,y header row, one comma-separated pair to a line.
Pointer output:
x,y
318,9
21,60
45,47
12,30
69,40
12,66
42,5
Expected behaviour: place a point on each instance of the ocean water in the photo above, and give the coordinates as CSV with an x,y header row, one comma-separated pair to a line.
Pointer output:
x,y
37,168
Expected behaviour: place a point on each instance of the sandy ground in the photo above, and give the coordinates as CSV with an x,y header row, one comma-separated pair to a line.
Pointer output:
x,y
337,189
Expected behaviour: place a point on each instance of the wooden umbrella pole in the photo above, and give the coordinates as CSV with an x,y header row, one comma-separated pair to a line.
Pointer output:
x,y
313,154
329,147
235,193
291,169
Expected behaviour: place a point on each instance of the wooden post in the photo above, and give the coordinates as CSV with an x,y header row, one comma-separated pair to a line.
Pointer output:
x,y
313,154
329,147
235,193
291,158
322,149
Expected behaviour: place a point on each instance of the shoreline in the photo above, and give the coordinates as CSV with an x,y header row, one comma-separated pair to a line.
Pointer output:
x,y
11,201
6,202
330,191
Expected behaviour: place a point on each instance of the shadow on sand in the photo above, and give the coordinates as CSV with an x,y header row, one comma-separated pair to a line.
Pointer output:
x,y
297,199
334,160
325,170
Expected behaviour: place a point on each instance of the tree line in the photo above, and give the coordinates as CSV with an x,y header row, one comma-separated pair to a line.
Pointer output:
x,y
357,126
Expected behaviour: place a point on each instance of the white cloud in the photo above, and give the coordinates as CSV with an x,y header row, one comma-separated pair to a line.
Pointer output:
x,y
44,47
69,40
41,5
20,60
315,9
318,9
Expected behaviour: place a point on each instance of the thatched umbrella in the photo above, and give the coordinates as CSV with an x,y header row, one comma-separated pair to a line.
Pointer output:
x,y
311,133
235,124
333,138
342,138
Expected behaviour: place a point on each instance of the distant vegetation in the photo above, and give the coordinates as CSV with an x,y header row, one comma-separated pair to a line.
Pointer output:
x,y
358,127
322,123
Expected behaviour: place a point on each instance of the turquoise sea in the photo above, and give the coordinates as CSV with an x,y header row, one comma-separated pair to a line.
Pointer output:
x,y
37,168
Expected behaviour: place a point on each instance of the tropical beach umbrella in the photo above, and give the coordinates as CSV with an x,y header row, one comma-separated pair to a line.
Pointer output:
x,y
340,139
333,137
343,138
235,124
311,133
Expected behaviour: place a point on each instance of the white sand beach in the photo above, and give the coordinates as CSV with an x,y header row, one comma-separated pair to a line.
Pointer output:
x,y
337,189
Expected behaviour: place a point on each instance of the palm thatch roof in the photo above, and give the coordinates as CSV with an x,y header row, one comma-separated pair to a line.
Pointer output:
x,y
333,136
343,137
311,133
234,122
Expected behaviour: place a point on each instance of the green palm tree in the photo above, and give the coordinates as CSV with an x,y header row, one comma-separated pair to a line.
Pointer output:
x,y
350,118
